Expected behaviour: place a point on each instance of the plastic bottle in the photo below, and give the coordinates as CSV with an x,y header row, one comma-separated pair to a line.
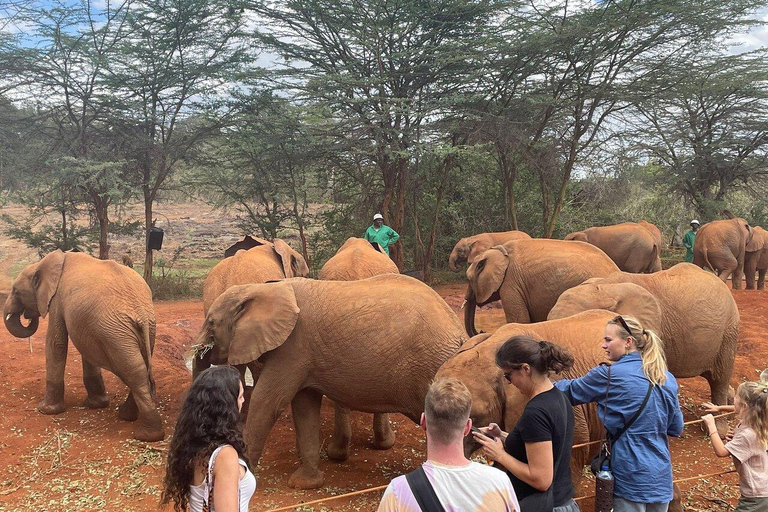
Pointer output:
x,y
604,490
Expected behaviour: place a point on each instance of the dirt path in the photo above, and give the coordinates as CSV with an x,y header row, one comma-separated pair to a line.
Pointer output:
x,y
85,460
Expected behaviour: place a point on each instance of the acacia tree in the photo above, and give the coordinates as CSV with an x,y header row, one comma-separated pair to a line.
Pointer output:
x,y
380,68
709,135
169,75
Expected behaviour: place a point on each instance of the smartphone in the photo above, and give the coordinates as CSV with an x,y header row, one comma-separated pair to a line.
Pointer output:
x,y
475,429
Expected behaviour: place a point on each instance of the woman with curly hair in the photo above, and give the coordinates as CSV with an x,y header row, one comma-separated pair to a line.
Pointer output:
x,y
207,469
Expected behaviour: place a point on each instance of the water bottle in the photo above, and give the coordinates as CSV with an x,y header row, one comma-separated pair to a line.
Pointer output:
x,y
604,490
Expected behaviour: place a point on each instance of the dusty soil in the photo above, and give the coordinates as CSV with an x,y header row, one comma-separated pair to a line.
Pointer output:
x,y
85,459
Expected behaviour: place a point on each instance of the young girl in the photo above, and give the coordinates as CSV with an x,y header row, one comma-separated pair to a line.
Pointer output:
x,y
748,446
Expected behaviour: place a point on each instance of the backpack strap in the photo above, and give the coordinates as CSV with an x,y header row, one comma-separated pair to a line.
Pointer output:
x,y
208,489
423,491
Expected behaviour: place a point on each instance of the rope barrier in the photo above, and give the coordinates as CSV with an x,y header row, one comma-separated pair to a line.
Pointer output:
x,y
382,487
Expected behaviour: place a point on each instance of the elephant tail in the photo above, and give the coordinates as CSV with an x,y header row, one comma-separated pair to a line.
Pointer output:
x,y
706,260
146,352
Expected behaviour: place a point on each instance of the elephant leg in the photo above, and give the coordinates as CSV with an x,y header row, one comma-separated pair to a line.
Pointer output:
x,y
56,346
515,308
383,435
141,405
94,385
761,278
738,273
719,376
128,411
305,407
750,268
342,434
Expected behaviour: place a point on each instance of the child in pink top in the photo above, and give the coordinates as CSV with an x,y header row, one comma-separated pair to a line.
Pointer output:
x,y
748,446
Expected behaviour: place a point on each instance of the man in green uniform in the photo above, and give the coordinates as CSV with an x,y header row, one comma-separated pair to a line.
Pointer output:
x,y
689,239
381,234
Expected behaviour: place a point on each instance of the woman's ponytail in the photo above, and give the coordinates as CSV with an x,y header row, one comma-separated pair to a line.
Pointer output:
x,y
554,357
543,356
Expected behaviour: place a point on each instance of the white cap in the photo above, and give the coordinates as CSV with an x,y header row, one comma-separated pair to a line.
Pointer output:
x,y
694,221
378,216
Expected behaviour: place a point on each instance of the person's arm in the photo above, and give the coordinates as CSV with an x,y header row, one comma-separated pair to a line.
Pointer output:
x,y
393,236
539,471
226,481
717,409
714,437
366,235
586,389
687,241
388,501
676,424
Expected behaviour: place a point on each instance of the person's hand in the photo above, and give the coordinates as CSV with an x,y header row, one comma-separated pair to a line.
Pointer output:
x,y
492,448
492,430
710,407
709,421
729,435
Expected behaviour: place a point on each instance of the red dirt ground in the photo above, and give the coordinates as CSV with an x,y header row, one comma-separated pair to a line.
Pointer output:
x,y
85,459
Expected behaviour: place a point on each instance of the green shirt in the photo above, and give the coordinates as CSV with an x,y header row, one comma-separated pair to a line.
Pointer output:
x,y
688,240
384,236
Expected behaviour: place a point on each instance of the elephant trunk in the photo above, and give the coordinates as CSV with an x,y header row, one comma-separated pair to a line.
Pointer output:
x,y
453,261
200,362
14,326
469,312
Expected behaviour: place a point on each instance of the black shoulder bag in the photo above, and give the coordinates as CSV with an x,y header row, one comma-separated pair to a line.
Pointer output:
x,y
603,457
423,491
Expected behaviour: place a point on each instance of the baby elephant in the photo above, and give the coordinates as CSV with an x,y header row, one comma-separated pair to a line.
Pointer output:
x,y
106,309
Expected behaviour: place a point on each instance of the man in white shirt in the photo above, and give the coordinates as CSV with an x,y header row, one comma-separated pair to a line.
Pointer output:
x,y
460,484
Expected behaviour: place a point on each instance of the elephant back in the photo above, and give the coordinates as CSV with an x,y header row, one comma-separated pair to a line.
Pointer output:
x,y
357,259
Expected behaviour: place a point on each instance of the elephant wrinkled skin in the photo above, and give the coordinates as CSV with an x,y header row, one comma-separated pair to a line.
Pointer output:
x,y
756,258
358,259
698,322
468,249
106,310
372,345
529,275
634,247
720,246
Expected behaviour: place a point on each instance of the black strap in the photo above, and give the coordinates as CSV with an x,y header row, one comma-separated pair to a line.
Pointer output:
x,y
637,414
423,491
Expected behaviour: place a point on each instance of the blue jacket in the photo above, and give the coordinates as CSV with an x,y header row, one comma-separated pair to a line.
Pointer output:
x,y
642,466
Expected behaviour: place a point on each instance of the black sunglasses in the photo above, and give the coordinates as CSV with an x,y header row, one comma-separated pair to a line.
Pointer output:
x,y
508,375
624,325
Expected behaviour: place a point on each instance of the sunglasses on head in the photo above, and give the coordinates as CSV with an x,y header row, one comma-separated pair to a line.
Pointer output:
x,y
623,323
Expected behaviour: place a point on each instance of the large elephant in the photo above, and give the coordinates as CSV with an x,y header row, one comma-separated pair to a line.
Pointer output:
x,y
358,259
756,258
347,340
262,263
529,275
699,320
468,249
632,246
495,400
720,246
106,310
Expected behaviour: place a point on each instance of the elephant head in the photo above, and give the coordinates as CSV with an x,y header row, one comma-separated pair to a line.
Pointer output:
x,y
32,294
757,241
460,253
245,322
294,264
485,276
621,298
579,236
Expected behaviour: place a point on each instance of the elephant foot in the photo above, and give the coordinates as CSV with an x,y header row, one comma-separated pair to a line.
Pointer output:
x,y
338,452
96,401
128,411
385,442
306,478
46,408
149,435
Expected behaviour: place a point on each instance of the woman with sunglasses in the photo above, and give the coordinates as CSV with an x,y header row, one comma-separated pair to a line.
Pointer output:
x,y
537,452
640,387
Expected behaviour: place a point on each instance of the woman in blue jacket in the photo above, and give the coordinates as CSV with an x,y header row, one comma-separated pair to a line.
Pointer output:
x,y
640,458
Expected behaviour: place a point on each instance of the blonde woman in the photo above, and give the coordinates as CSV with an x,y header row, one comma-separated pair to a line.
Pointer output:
x,y
640,459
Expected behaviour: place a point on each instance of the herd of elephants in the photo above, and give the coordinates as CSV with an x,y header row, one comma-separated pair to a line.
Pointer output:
x,y
372,340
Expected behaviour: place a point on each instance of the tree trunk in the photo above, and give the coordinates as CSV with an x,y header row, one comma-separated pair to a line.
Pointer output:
x,y
102,214
428,254
148,255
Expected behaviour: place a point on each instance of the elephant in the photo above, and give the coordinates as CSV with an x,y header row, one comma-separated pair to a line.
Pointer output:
x,y
529,275
106,310
494,400
347,340
261,263
756,258
358,259
632,246
692,310
720,246
468,249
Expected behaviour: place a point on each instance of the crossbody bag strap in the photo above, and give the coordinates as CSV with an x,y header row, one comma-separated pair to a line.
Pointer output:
x,y
637,414
423,491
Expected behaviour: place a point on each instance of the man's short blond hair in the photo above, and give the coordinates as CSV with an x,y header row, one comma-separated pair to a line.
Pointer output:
x,y
447,407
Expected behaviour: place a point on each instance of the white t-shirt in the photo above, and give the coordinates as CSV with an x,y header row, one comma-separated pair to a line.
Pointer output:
x,y
472,487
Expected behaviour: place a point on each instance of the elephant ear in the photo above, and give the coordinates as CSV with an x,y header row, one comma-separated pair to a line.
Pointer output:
x,y
757,243
46,280
293,263
263,320
579,236
486,274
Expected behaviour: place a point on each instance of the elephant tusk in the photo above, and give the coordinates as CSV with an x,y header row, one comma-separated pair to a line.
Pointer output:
x,y
7,317
463,304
